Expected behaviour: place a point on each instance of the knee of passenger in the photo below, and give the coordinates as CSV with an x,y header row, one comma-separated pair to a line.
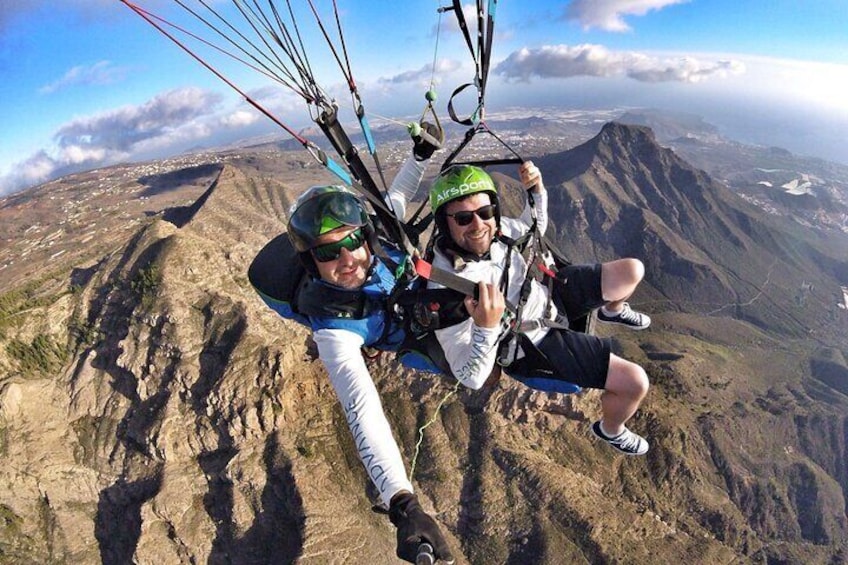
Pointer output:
x,y
637,269
641,381
628,379
637,381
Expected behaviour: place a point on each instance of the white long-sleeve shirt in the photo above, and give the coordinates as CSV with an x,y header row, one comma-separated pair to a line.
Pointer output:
x,y
340,352
471,351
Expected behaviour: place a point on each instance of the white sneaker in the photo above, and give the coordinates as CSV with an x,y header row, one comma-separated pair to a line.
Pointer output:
x,y
626,442
627,317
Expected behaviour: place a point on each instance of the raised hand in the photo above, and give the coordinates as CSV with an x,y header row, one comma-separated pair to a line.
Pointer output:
x,y
487,310
531,177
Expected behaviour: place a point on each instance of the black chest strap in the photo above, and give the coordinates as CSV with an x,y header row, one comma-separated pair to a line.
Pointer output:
x,y
319,300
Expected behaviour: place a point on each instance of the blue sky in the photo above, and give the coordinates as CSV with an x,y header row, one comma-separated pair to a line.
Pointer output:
x,y
88,83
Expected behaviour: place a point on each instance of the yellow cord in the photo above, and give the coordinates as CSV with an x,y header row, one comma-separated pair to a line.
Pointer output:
x,y
425,426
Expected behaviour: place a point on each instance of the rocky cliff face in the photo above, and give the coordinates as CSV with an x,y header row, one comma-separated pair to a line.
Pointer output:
x,y
706,250
152,410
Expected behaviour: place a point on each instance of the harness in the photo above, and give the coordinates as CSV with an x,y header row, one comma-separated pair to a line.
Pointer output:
x,y
542,265
425,310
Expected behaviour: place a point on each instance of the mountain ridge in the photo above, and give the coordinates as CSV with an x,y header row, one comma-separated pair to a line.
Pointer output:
x,y
196,425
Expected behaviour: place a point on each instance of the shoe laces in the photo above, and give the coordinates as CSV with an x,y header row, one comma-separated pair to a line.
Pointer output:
x,y
629,441
630,315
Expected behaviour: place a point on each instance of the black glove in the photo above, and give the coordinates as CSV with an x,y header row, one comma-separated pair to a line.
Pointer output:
x,y
415,527
427,138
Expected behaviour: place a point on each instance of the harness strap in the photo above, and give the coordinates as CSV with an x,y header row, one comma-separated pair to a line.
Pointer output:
x,y
469,135
444,277
481,55
486,51
520,243
469,121
321,300
560,323
463,25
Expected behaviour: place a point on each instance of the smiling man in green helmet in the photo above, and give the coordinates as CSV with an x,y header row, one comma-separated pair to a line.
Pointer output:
x,y
477,243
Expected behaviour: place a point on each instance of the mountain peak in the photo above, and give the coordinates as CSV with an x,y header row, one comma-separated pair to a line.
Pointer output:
x,y
633,197
618,131
625,141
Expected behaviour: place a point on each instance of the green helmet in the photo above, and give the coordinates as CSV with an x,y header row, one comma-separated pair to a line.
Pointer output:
x,y
457,181
322,209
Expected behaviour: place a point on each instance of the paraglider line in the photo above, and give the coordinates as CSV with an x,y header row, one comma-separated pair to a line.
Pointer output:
x,y
144,14
427,425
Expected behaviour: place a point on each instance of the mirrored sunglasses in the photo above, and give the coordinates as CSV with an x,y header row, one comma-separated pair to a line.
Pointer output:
x,y
331,251
465,217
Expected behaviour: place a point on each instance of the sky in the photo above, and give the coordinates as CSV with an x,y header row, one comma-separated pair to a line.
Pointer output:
x,y
88,83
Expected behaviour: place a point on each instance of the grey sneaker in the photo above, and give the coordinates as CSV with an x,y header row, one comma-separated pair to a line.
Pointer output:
x,y
627,317
626,442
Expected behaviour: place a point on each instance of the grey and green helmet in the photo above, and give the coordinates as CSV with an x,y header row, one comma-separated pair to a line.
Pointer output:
x,y
457,181
322,209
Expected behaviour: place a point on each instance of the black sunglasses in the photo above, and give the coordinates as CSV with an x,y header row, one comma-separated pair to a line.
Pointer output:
x,y
331,251
465,217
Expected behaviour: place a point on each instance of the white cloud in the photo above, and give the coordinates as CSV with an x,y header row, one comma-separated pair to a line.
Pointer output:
x,y
797,105
609,15
563,61
76,154
815,84
163,124
34,169
422,76
100,73
122,129
239,118
173,139
684,69
279,100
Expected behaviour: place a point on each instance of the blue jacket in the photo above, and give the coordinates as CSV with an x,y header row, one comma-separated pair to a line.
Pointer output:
x,y
373,326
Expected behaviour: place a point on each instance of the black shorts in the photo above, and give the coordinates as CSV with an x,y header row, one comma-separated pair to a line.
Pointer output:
x,y
581,292
570,357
